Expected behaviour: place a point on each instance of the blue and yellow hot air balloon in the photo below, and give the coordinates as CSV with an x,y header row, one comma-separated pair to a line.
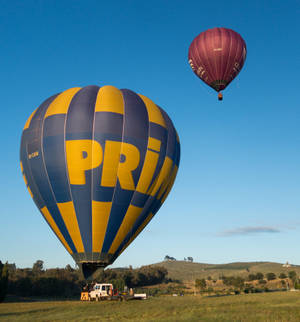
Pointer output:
x,y
98,162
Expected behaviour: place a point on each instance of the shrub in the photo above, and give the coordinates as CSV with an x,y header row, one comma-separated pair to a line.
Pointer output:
x,y
259,276
200,283
271,276
252,277
292,275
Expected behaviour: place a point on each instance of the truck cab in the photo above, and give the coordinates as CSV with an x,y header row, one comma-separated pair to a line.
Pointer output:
x,y
101,291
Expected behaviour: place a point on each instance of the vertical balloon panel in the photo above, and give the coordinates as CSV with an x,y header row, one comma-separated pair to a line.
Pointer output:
x,y
98,162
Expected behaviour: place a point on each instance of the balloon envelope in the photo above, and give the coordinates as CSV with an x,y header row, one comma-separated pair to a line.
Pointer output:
x,y
216,56
98,163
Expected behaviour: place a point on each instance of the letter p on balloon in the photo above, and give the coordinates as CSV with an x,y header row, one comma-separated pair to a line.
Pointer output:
x,y
84,155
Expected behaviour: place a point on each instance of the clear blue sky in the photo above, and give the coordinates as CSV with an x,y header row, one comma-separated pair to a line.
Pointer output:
x,y
237,193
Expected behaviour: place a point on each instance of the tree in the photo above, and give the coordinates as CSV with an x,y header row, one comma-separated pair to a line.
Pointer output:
x,y
259,276
282,275
201,283
271,276
292,275
169,258
252,277
69,268
128,277
38,266
238,282
3,281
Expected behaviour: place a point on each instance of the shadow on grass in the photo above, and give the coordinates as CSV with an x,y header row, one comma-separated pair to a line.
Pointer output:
x,y
19,299
26,312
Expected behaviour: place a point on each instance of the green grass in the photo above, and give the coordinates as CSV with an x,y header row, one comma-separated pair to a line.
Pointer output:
x,y
279,306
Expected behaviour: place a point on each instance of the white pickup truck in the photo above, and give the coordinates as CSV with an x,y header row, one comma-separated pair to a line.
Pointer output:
x,y
101,292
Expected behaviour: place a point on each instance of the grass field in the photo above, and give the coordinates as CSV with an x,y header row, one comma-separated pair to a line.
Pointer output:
x,y
279,306
184,271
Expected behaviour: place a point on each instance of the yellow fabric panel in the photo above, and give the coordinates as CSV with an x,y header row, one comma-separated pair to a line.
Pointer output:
x,y
24,177
170,184
29,120
100,216
163,175
68,214
53,225
61,103
154,144
25,180
109,99
154,112
78,163
30,192
165,183
143,225
148,170
130,218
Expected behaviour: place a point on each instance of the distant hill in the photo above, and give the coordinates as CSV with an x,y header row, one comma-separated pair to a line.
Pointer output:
x,y
187,271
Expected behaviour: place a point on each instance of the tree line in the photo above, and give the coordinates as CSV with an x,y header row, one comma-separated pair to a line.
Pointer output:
x,y
170,258
239,284
3,280
68,282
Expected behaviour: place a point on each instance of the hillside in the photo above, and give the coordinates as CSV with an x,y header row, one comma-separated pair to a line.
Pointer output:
x,y
187,271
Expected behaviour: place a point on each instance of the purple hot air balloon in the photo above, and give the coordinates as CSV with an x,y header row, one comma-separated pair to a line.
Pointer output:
x,y
216,56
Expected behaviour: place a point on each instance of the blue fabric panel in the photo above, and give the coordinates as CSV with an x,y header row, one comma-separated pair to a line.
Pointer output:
x,y
171,136
108,126
139,199
30,135
135,127
54,155
79,125
39,174
160,133
170,148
